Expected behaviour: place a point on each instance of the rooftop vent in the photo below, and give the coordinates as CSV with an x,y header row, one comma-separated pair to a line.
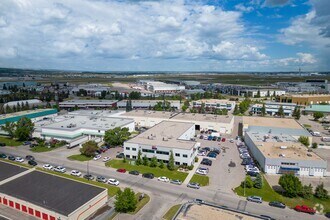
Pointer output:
x,y
283,147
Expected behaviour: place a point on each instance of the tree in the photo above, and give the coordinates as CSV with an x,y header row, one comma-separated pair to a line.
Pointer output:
x,y
304,140
116,136
236,110
88,149
258,94
258,183
307,191
268,93
291,184
314,145
135,95
202,110
170,164
280,111
161,164
24,129
153,162
139,159
10,128
318,115
247,183
145,160
296,113
128,105
320,192
125,201
263,110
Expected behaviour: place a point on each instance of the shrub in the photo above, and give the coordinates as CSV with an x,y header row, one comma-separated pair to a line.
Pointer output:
x,y
320,192
153,162
248,183
190,167
196,159
258,183
314,145
307,191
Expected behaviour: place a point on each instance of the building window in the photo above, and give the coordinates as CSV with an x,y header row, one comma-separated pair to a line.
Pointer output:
x,y
127,148
177,163
148,151
177,155
185,164
134,157
185,155
284,163
128,156
163,152
134,149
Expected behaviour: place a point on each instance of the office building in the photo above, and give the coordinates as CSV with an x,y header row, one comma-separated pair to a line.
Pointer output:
x,y
273,107
214,104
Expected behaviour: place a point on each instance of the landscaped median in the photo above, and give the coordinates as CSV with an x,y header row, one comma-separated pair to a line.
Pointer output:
x,y
146,169
171,212
79,157
268,194
10,142
202,180
112,190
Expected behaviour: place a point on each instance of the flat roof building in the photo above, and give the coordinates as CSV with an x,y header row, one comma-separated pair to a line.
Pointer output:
x,y
163,138
325,109
273,107
304,99
51,197
214,104
85,104
147,104
31,102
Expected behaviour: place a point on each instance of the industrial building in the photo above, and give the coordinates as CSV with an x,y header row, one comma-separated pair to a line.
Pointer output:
x,y
163,138
262,92
273,142
144,118
273,107
325,109
161,87
91,89
88,104
48,197
147,104
304,99
214,104
80,126
30,102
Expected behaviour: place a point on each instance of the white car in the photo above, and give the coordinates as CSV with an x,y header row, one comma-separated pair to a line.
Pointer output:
x,y
163,179
75,173
201,172
106,159
19,159
59,169
254,169
97,157
48,167
231,140
201,153
113,182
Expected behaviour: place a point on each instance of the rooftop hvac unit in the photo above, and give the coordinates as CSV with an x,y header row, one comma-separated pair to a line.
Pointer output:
x,y
282,155
283,147
165,139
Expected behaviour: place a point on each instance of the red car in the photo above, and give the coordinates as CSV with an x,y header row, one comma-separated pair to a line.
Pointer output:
x,y
223,139
304,208
121,170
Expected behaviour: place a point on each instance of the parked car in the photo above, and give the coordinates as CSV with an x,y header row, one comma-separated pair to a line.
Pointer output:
x,y
199,201
113,182
193,185
48,167
106,159
209,138
163,179
75,173
177,182
212,155
121,170
256,199
101,179
254,169
32,163
251,173
105,148
207,162
201,137
216,150
231,140
305,208
3,156
277,204
206,137
98,156
19,159
89,176
201,172
120,155
26,142
29,157
214,138
59,169
206,148
218,139
201,153
223,139
134,172
148,175
12,158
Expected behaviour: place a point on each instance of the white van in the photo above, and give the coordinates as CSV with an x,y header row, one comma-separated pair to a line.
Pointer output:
x,y
316,134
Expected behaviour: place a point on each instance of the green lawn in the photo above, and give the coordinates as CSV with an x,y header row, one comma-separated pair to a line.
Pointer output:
x,y
171,212
268,194
307,126
145,169
202,180
141,203
79,157
42,148
10,142
112,190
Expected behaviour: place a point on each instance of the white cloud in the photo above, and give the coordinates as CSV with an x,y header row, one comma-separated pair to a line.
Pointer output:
x,y
275,3
241,7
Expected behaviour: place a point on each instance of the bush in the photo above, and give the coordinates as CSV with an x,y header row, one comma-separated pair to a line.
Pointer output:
x,y
291,184
161,164
314,145
196,159
307,191
125,201
248,183
153,162
145,160
190,167
304,140
258,183
320,192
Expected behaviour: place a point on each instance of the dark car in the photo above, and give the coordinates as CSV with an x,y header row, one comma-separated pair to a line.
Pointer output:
x,y
121,170
218,139
88,176
207,162
201,137
29,157
148,175
212,155
27,143
247,161
120,155
2,144
209,138
214,138
206,148
251,173
216,150
3,156
98,151
32,163
101,179
327,214
134,172
11,158
277,204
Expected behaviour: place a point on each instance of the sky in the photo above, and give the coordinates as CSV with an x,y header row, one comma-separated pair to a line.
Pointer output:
x,y
173,35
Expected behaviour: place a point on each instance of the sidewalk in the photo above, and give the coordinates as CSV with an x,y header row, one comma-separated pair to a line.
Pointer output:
x,y
192,172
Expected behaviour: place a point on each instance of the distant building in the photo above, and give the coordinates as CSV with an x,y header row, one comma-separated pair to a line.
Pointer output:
x,y
214,104
263,92
304,99
88,104
147,104
273,107
92,89
160,87
191,83
325,109
31,102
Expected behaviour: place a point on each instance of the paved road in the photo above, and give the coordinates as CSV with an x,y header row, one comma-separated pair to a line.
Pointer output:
x,y
163,195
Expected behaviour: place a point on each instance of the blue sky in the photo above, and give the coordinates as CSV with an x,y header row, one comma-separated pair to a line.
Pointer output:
x,y
174,35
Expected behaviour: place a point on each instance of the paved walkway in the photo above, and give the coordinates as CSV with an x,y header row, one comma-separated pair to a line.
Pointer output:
x,y
192,172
